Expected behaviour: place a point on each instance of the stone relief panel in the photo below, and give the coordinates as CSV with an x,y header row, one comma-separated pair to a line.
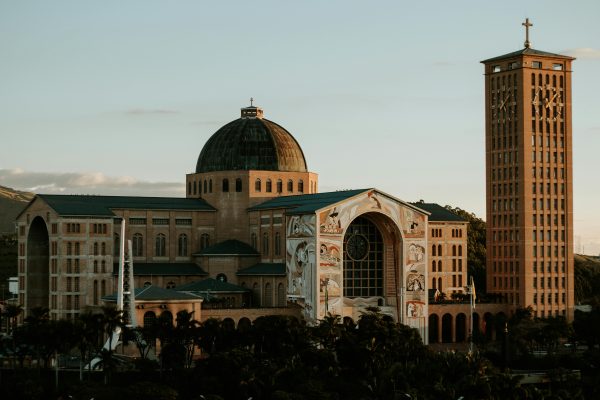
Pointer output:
x,y
301,262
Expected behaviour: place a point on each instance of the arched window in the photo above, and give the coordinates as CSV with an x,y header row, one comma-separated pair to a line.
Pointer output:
x,y
195,188
167,316
160,245
265,244
170,285
439,250
149,318
103,267
210,186
238,185
460,250
439,284
76,248
433,266
95,298
433,285
69,248
453,250
222,277
268,295
204,241
225,185
290,186
189,187
268,189
433,252
205,186
147,283
103,249
279,186
301,186
182,250
363,259
253,240
95,249
117,245
95,266
277,244
440,266
138,245
281,297
257,185
103,288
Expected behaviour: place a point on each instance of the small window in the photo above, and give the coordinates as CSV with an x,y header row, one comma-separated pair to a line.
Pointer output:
x,y
225,185
290,186
279,186
238,185
222,278
513,65
257,185
301,186
496,68
269,188
557,67
536,64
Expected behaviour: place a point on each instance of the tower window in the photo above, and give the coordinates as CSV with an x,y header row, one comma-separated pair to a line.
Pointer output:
x,y
279,186
290,186
257,185
225,185
238,185
269,186
301,186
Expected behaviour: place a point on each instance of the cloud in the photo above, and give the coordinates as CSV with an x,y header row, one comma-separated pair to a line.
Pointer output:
x,y
86,183
150,111
583,52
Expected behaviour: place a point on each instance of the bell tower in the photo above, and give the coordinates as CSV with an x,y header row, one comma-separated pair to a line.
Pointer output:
x,y
529,185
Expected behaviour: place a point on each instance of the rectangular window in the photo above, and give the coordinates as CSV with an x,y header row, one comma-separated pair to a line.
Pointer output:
x,y
137,221
496,68
183,221
160,221
557,67
536,64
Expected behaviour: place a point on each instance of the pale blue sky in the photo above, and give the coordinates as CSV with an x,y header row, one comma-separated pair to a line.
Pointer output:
x,y
119,96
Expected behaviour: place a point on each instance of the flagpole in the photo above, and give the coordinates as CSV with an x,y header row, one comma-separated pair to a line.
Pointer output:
x,y
471,342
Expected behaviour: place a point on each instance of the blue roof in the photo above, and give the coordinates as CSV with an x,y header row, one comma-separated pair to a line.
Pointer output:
x,y
149,293
211,285
276,269
307,203
102,206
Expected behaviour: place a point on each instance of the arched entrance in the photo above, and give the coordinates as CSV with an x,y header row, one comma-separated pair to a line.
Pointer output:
x,y
38,256
461,327
434,321
447,328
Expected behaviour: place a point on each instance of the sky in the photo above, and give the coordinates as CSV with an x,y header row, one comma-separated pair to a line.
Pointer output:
x,y
118,97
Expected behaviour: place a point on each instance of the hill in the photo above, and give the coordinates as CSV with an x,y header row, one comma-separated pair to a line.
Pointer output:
x,y
12,202
587,278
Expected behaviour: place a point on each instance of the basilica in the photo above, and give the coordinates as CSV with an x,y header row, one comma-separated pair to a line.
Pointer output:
x,y
252,237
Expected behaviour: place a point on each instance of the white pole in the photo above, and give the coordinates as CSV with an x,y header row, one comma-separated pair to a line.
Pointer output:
x,y
471,342
121,267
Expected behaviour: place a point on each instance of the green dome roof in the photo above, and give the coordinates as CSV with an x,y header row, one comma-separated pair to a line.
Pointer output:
x,y
251,143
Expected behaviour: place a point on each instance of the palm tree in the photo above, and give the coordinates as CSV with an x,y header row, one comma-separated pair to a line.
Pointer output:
x,y
12,312
112,324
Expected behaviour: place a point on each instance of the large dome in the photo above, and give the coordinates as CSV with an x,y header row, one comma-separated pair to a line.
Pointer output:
x,y
251,143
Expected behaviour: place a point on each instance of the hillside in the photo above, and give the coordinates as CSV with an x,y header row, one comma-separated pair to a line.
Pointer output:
x,y
12,202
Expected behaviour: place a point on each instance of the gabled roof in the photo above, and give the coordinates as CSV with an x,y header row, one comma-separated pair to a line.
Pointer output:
x,y
164,269
273,269
230,247
211,285
102,206
307,203
527,51
150,293
439,213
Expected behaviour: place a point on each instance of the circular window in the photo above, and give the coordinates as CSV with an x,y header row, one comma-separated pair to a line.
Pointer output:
x,y
222,278
357,246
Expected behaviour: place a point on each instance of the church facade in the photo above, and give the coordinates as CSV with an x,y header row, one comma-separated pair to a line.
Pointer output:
x,y
253,233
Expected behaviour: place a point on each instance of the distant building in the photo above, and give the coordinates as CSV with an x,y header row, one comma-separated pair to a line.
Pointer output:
x,y
529,180
252,237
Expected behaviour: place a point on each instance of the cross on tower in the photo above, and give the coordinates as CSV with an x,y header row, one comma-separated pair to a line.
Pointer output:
x,y
527,24
251,101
